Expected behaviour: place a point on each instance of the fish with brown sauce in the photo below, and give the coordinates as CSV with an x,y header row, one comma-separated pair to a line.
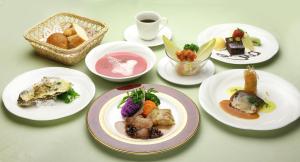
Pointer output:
x,y
245,103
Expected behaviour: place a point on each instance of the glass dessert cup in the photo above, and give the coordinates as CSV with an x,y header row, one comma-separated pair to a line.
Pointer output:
x,y
187,68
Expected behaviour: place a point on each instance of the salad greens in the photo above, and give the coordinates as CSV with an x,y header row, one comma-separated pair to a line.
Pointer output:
x,y
149,95
139,95
68,96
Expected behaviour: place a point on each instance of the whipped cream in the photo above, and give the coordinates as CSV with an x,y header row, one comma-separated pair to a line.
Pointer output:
x,y
125,68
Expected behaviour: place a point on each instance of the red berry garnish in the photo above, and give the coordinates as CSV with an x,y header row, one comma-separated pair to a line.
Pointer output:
x,y
238,33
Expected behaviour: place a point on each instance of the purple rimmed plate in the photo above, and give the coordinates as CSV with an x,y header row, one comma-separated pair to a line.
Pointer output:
x,y
104,114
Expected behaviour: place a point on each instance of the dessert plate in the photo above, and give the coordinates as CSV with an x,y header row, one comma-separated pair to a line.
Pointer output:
x,y
287,102
262,53
131,34
166,69
103,115
82,84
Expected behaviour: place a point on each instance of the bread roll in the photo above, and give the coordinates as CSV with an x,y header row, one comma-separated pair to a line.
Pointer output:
x,y
76,35
69,32
59,40
75,40
80,32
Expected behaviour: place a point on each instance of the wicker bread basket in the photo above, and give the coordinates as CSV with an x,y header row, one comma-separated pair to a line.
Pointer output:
x,y
36,37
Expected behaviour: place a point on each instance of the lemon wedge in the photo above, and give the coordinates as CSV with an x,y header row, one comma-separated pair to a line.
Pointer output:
x,y
205,50
170,48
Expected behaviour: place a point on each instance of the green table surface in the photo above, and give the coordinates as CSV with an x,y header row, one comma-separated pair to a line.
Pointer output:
x,y
69,140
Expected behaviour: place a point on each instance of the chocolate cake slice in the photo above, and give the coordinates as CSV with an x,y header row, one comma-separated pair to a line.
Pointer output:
x,y
234,47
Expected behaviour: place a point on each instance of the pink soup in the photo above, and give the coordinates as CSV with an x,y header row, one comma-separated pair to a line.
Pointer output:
x,y
121,64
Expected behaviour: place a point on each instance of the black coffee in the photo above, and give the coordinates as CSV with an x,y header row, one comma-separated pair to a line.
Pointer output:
x,y
148,21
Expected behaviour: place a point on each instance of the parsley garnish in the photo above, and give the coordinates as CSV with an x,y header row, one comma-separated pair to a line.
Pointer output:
x,y
191,46
68,96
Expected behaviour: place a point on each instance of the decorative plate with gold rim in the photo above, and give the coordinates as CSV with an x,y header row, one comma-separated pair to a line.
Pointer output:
x,y
104,114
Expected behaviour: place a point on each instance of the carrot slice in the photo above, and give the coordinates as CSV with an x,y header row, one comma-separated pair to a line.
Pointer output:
x,y
148,107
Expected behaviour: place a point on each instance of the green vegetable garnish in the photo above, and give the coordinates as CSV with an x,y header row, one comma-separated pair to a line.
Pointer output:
x,y
136,95
68,96
139,95
256,101
268,107
123,100
191,46
149,95
255,41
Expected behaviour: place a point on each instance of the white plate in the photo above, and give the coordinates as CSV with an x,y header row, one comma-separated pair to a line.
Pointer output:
x,y
166,70
131,34
268,49
96,53
282,93
81,84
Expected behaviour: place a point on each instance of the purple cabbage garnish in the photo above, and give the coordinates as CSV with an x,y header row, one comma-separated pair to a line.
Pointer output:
x,y
129,108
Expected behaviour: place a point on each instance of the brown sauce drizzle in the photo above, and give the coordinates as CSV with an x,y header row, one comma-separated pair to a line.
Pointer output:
x,y
245,56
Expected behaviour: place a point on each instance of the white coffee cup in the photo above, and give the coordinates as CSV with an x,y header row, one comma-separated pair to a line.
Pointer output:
x,y
149,23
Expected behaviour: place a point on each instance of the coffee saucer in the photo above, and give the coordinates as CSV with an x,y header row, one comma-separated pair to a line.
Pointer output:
x,y
131,35
167,71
